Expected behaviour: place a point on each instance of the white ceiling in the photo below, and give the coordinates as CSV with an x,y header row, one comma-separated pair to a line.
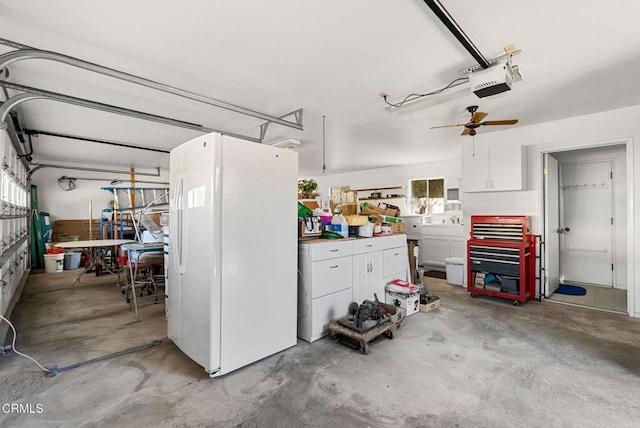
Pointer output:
x,y
332,58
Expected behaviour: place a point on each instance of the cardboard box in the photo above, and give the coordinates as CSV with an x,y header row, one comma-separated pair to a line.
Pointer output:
x,y
79,228
408,303
397,228
432,302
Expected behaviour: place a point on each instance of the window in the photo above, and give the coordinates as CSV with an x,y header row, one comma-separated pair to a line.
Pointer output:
x,y
426,196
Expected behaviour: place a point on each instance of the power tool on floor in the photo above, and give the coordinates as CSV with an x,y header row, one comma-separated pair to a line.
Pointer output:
x,y
368,310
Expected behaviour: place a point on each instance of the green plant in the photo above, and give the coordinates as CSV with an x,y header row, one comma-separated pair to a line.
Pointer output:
x,y
307,185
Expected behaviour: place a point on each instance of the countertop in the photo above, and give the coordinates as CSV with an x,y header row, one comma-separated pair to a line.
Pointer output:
x,y
351,238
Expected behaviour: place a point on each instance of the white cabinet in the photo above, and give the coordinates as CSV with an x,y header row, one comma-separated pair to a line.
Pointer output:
x,y
440,242
376,261
324,285
367,276
335,273
434,250
491,169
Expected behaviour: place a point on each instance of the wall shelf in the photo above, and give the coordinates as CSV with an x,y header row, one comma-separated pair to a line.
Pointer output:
x,y
373,189
382,198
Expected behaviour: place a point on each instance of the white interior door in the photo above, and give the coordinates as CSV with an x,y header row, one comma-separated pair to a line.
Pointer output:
x,y
552,226
587,238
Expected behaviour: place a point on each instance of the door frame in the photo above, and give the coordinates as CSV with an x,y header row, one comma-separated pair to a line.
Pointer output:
x,y
628,144
547,230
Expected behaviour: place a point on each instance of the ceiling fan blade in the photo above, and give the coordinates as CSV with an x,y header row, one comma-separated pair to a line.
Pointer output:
x,y
478,116
447,126
501,122
467,131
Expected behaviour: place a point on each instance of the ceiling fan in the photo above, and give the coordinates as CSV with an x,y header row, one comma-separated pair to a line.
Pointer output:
x,y
475,122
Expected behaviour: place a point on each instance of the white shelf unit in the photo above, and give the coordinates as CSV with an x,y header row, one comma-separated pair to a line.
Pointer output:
x,y
335,273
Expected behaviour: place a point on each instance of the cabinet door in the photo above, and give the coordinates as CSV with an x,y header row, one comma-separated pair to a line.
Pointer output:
x,y
395,260
436,249
457,247
367,276
505,167
331,275
326,309
375,284
475,170
361,268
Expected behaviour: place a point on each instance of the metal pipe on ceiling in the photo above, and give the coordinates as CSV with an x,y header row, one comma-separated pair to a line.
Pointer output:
x,y
35,93
84,168
37,132
31,53
444,16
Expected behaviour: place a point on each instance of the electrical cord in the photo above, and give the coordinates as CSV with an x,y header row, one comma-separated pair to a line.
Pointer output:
x,y
411,97
304,287
54,369
13,345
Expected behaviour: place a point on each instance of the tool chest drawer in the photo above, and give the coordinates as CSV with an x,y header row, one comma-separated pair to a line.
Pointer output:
x,y
494,259
500,228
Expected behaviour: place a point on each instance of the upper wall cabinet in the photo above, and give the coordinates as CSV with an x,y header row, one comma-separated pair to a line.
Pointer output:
x,y
492,169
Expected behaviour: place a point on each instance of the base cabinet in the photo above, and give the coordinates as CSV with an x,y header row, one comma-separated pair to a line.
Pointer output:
x,y
335,273
440,242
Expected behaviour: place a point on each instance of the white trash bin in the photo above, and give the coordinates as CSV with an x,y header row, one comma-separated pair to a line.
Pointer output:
x,y
455,270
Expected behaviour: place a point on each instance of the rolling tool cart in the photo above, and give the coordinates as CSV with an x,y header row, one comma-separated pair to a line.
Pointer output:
x,y
501,258
365,323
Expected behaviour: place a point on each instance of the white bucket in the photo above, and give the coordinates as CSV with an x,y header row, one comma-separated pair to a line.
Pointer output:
x,y
53,263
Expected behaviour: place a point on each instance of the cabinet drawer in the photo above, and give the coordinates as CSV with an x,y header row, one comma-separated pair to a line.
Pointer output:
x,y
367,245
329,250
328,308
331,275
394,260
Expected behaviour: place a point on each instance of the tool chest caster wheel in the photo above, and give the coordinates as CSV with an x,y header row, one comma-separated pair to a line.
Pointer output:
x,y
333,335
474,295
516,303
388,334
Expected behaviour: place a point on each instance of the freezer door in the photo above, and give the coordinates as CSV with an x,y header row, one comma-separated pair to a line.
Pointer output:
x,y
260,242
194,321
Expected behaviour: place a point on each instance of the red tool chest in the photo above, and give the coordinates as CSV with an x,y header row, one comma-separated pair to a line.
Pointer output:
x,y
502,246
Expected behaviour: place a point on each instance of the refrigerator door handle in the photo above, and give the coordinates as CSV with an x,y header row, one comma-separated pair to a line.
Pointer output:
x,y
180,234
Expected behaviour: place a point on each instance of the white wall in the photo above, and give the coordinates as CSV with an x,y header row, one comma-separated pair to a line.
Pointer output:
x,y
393,176
74,204
612,127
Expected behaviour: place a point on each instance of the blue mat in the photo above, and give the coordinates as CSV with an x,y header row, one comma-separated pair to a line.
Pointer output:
x,y
572,290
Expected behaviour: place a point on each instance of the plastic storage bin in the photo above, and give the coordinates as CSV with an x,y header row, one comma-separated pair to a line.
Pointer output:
x,y
72,260
455,270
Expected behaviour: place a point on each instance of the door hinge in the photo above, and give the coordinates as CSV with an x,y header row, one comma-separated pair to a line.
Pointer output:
x,y
611,220
611,175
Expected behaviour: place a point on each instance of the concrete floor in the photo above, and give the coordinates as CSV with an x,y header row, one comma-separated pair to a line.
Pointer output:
x,y
471,363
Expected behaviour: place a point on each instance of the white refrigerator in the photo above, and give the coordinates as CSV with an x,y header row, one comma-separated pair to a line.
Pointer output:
x,y
232,289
